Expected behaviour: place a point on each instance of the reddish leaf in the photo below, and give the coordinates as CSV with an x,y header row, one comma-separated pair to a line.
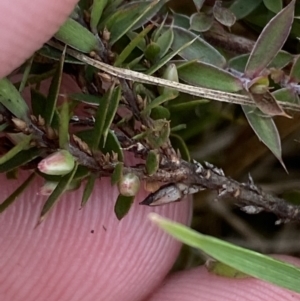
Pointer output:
x,y
270,41
268,104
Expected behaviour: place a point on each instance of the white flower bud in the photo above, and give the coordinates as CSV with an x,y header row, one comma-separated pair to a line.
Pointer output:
x,y
129,185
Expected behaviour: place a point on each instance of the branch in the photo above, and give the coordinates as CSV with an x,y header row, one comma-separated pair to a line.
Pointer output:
x,y
151,80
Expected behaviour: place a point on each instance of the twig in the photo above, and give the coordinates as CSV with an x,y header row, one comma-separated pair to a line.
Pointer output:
x,y
147,79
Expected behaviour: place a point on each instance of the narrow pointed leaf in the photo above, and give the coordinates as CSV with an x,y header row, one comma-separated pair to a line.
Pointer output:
x,y
11,98
242,8
112,145
199,50
295,72
20,159
57,192
270,41
88,189
267,104
54,91
274,6
208,76
117,174
198,4
75,35
249,262
123,205
286,94
165,41
124,19
13,197
63,130
16,149
96,13
158,101
111,111
179,145
266,131
100,118
168,57
132,45
26,74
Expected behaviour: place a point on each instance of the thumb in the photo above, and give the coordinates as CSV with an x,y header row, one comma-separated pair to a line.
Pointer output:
x,y
25,26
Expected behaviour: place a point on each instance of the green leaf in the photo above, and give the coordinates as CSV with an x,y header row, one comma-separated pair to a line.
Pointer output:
x,y
124,19
86,98
112,145
111,111
88,188
281,60
198,4
117,174
165,41
96,13
75,35
152,51
158,101
54,91
63,130
20,159
123,205
179,144
224,270
150,14
13,197
159,134
16,149
201,21
160,112
249,262
242,8
152,162
100,118
55,54
286,94
11,98
295,72
199,50
270,41
223,15
28,65
215,78
132,45
266,131
57,192
274,6
168,57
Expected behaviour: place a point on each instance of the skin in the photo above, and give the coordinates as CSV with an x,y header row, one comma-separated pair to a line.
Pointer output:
x,y
88,254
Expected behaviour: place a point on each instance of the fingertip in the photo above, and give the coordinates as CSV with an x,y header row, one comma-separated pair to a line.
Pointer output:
x,y
25,26
83,254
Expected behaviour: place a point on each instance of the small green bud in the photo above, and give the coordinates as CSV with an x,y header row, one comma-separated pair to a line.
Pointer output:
x,y
59,163
170,73
129,185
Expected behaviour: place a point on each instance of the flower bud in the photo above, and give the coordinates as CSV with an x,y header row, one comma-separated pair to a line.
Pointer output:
x,y
58,163
129,185
170,73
